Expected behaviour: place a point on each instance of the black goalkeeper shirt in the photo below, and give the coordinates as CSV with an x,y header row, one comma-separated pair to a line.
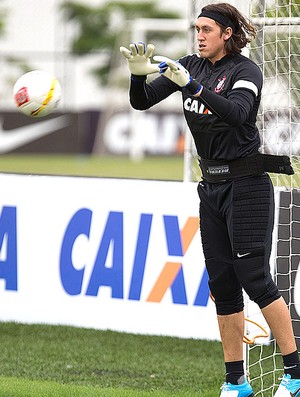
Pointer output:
x,y
222,120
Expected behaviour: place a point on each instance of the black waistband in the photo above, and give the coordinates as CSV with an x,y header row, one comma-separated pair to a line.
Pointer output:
x,y
217,170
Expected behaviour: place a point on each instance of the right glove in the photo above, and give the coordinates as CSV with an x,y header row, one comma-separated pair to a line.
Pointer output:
x,y
177,73
138,58
173,71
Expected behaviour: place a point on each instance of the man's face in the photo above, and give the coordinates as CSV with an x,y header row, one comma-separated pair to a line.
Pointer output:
x,y
211,39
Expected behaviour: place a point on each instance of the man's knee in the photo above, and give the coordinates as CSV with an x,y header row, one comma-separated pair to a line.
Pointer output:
x,y
256,280
225,288
230,304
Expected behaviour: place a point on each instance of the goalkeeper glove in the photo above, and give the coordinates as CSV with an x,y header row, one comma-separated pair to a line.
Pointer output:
x,y
138,58
177,73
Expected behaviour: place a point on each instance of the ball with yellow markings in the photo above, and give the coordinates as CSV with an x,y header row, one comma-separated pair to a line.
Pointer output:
x,y
37,93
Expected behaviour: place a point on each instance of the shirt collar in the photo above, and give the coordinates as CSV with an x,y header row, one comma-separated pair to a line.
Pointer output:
x,y
220,62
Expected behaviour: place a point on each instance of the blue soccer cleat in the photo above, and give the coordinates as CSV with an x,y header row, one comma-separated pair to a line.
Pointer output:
x,y
288,387
243,390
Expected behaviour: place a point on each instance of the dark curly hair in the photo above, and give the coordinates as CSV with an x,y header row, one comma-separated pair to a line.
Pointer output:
x,y
243,31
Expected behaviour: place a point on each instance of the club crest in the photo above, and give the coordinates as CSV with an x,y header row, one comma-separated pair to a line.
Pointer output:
x,y
220,84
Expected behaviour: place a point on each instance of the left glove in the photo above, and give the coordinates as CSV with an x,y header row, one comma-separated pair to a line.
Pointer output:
x,y
138,58
177,73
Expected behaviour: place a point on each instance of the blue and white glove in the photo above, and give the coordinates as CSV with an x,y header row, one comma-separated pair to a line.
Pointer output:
x,y
138,58
177,73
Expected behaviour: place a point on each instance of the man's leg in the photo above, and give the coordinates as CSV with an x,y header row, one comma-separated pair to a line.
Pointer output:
x,y
224,286
279,321
231,328
252,233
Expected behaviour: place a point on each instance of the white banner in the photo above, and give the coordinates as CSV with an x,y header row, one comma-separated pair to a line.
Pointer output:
x,y
111,254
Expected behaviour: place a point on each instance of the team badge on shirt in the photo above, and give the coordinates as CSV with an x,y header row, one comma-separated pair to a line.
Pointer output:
x,y
220,84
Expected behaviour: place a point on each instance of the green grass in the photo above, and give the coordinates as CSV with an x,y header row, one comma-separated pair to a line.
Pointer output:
x,y
11,387
157,167
43,360
49,361
164,168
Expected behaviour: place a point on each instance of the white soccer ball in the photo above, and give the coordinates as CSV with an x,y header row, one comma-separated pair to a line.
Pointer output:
x,y
37,93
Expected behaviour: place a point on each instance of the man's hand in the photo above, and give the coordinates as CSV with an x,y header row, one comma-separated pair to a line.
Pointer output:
x,y
138,58
177,73
173,71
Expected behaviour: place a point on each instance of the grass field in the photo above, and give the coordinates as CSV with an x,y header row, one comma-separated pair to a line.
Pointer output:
x,y
164,168
159,168
41,360
49,361
60,361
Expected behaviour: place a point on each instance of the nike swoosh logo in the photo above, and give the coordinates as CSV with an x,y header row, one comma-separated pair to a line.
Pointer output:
x,y
295,394
16,137
242,255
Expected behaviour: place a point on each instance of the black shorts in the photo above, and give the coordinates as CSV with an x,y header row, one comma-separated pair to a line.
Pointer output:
x,y
236,224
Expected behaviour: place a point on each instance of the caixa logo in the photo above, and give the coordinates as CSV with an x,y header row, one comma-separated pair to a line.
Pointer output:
x,y
111,275
108,267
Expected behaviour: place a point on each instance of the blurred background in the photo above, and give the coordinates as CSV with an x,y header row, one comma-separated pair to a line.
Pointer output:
x,y
79,43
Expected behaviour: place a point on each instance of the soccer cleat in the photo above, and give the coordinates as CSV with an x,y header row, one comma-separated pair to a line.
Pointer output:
x,y
243,390
288,387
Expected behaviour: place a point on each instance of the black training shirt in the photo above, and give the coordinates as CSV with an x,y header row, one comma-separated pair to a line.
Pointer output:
x,y
222,120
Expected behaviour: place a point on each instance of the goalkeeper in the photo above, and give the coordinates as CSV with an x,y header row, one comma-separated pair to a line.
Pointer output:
x,y
221,92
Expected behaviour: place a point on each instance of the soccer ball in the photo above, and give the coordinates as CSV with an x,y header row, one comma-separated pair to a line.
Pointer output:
x,y
37,93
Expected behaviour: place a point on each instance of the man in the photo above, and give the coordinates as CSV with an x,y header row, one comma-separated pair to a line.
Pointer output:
x,y
221,92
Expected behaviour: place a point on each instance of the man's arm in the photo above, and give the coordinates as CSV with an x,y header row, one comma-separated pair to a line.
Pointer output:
x,y
143,95
236,108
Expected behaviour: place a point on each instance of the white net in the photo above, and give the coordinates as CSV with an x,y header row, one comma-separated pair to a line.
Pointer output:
x,y
264,362
276,51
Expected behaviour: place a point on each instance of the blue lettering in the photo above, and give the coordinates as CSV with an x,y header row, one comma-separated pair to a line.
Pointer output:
x,y
71,278
203,291
111,276
8,248
174,245
103,273
140,257
178,289
173,235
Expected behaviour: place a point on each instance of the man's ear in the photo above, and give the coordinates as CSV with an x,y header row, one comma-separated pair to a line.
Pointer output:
x,y
228,33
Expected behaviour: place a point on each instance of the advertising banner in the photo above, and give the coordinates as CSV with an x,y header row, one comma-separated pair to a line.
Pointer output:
x,y
111,254
58,133
118,254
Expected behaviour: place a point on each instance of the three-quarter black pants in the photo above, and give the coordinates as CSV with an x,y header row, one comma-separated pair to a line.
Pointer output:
x,y
236,224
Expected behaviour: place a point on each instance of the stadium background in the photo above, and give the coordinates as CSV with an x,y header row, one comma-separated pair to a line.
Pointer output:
x,y
36,37
95,120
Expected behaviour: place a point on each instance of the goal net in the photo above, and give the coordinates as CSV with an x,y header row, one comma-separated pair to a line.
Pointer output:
x,y
276,51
